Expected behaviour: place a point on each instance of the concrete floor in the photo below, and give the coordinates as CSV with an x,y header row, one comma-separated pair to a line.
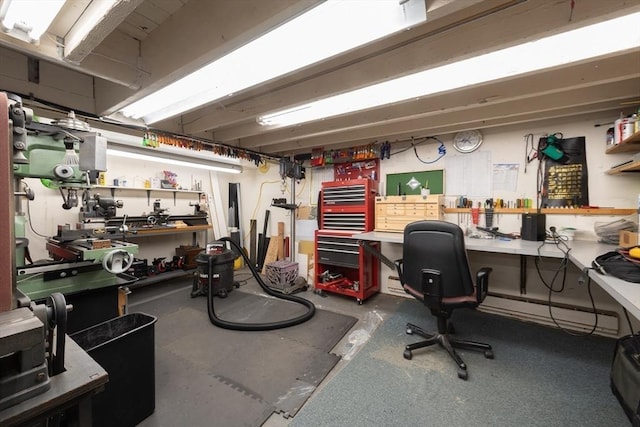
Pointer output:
x,y
370,314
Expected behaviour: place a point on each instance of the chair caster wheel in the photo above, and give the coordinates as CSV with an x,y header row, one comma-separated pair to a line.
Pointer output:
x,y
462,374
236,285
488,354
409,331
407,354
359,301
222,293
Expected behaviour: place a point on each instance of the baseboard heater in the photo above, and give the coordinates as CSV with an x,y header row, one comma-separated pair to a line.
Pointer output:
x,y
572,318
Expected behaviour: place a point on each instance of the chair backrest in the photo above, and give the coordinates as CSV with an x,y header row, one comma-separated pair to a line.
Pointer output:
x,y
437,245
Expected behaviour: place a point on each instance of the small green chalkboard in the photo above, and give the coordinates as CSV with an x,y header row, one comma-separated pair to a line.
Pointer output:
x,y
434,179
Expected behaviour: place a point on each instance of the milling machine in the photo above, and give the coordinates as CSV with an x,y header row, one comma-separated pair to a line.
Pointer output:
x,y
33,340
64,155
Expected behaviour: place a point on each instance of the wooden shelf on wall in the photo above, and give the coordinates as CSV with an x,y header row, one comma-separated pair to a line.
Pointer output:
x,y
631,144
163,231
159,190
628,167
553,211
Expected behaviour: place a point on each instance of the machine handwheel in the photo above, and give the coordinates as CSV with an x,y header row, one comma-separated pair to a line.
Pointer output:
x,y
57,318
407,354
463,374
117,261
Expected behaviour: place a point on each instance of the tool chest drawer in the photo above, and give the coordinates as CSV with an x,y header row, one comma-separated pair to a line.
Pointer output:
x,y
344,266
350,194
344,221
347,205
338,251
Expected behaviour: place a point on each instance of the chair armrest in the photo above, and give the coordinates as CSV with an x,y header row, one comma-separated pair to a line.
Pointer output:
x,y
482,283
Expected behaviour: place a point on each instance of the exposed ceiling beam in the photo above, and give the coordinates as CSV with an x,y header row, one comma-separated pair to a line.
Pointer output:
x,y
97,21
430,45
578,75
607,97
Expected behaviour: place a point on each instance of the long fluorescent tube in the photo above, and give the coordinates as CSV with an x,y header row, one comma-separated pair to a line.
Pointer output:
x,y
27,20
328,29
128,146
592,41
166,158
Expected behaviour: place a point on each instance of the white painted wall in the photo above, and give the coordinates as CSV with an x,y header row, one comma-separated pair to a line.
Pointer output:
x,y
258,189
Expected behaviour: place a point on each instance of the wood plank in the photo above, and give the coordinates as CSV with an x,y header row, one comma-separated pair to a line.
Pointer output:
x,y
629,167
272,252
280,240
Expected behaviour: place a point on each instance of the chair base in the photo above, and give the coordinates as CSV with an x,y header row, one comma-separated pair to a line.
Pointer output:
x,y
448,343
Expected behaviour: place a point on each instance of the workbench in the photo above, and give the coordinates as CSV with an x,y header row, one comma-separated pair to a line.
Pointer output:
x,y
581,253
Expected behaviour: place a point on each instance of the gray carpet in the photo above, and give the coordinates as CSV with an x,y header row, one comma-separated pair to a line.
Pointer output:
x,y
206,375
540,377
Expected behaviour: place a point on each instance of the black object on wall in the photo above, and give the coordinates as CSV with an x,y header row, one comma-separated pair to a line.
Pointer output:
x,y
234,204
565,172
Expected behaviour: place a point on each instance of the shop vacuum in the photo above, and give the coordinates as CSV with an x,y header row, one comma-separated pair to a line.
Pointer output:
x,y
214,277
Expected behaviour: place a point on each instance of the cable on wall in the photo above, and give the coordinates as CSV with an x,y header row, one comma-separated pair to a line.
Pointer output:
x,y
442,150
562,268
150,135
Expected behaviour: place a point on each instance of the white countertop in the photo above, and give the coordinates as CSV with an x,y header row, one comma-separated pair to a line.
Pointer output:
x,y
581,253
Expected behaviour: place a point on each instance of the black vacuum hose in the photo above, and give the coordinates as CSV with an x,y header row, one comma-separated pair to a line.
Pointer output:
x,y
311,309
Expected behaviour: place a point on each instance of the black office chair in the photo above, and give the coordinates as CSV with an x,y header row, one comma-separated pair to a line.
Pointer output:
x,y
434,269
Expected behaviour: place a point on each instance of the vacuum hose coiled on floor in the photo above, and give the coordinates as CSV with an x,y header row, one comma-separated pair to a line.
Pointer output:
x,y
311,309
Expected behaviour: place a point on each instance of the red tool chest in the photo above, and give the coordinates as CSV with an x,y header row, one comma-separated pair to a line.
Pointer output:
x,y
342,265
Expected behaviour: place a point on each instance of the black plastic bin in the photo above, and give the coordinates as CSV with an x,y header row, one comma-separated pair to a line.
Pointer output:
x,y
125,348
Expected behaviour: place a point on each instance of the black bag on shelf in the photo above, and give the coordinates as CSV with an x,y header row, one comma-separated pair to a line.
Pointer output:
x,y
625,376
616,264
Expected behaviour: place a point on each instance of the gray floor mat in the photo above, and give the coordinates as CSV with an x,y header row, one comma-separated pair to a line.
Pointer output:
x,y
187,395
247,375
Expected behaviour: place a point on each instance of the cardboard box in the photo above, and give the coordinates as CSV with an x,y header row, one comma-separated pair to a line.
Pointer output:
x,y
628,239
306,212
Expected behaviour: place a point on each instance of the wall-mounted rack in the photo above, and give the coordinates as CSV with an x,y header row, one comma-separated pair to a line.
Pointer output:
x,y
629,145
113,189
553,211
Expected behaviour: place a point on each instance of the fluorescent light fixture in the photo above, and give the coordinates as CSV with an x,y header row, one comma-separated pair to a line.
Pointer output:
x,y
166,158
27,20
331,28
591,41
128,146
